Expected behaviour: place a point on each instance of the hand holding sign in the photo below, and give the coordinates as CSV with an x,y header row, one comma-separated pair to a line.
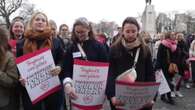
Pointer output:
x,y
148,105
70,91
22,81
56,70
117,102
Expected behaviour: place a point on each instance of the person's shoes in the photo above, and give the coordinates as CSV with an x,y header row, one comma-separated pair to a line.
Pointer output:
x,y
188,86
173,94
178,93
164,99
193,85
171,101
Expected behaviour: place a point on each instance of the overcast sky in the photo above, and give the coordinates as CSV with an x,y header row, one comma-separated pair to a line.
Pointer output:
x,y
66,11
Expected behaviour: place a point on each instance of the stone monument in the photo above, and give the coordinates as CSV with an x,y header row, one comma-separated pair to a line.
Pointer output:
x,y
149,19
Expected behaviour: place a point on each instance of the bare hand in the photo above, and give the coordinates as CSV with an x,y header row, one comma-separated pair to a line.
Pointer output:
x,y
22,81
148,105
70,91
56,71
117,102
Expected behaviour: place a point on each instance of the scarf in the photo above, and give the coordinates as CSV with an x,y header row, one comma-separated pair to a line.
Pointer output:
x,y
31,39
170,44
130,45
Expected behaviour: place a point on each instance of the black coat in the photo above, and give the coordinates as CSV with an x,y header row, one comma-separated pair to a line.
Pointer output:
x,y
57,52
94,51
163,61
121,60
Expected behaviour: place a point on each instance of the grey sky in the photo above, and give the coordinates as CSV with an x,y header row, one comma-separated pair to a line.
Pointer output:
x,y
66,11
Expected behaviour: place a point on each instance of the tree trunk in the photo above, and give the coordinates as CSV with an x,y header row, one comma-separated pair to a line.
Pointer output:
x,y
7,22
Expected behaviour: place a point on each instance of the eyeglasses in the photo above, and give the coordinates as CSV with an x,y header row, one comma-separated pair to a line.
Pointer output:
x,y
80,32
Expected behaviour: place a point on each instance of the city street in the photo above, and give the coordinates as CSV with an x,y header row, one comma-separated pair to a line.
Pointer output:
x,y
185,103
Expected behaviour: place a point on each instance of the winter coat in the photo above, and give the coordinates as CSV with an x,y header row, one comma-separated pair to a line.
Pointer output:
x,y
121,60
8,80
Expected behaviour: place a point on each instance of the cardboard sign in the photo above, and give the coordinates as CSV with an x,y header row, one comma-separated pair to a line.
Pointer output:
x,y
135,95
89,80
34,68
164,87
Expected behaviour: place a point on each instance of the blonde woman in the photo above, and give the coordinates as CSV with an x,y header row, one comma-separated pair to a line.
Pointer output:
x,y
38,35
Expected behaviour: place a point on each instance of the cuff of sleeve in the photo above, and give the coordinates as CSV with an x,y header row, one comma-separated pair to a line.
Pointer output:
x,y
67,81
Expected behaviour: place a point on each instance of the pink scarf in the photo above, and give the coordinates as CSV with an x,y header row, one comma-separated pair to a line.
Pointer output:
x,y
170,44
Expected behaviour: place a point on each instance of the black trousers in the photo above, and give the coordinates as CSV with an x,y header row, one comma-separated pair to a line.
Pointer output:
x,y
54,101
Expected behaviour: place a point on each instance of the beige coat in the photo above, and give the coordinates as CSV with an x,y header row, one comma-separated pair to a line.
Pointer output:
x,y
8,79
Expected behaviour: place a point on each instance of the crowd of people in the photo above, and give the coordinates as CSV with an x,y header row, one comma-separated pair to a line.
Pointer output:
x,y
155,53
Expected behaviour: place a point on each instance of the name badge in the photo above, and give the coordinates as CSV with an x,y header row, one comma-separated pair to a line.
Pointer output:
x,y
76,54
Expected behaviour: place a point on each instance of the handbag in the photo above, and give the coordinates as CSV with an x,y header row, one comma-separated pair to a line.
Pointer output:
x,y
172,69
130,75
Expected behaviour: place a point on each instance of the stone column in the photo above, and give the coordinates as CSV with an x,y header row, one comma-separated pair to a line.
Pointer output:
x,y
149,20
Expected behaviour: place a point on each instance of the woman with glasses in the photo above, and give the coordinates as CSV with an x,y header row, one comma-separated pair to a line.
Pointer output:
x,y
82,37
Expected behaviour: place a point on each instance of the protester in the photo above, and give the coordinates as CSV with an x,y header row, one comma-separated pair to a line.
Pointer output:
x,y
16,33
167,54
84,43
182,53
38,35
9,100
192,61
64,37
122,55
101,37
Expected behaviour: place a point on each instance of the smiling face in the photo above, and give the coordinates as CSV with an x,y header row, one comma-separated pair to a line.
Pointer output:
x,y
18,28
130,32
39,22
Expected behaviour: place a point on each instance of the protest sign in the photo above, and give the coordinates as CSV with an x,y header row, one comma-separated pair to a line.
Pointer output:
x,y
164,87
89,80
135,95
35,69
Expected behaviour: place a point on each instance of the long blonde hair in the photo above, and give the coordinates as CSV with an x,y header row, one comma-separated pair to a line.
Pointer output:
x,y
29,34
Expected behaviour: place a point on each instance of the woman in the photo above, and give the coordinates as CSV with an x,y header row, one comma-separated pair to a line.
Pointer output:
x,y
181,61
83,36
8,75
16,33
38,35
122,55
167,54
192,61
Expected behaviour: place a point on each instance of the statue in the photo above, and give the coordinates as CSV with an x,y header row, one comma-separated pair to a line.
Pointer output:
x,y
148,2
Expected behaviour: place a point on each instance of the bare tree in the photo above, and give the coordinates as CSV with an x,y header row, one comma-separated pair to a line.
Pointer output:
x,y
7,8
27,10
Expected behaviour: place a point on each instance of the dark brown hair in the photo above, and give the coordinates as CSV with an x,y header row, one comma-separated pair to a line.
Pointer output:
x,y
62,25
12,36
82,22
132,20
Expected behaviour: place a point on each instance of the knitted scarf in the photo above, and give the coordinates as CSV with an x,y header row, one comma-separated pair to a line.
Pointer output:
x,y
31,38
130,45
170,44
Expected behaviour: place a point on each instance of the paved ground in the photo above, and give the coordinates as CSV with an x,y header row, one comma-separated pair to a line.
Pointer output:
x,y
185,103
